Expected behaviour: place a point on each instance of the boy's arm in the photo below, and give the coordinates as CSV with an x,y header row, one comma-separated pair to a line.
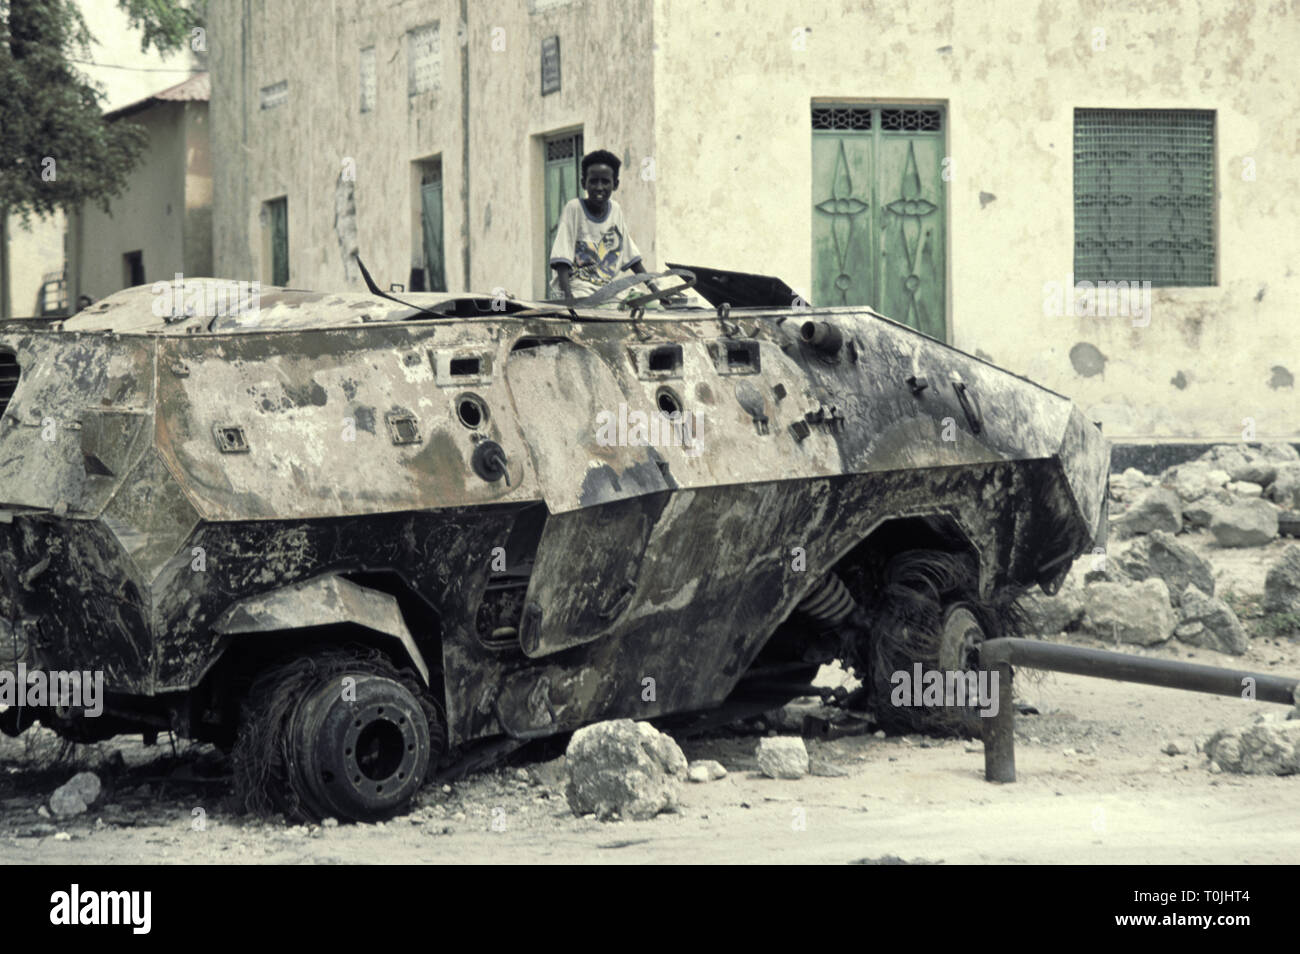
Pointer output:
x,y
639,267
562,274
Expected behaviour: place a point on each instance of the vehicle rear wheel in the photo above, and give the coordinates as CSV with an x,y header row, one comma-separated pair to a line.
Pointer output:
x,y
361,746
336,734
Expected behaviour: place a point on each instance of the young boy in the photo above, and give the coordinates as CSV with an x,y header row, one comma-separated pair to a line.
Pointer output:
x,y
592,244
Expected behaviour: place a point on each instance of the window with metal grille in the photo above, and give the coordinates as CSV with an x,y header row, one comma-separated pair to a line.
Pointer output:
x,y
277,94
368,79
1144,196
424,59
841,117
911,120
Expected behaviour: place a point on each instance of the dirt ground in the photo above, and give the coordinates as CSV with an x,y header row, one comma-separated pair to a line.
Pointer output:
x,y
1094,787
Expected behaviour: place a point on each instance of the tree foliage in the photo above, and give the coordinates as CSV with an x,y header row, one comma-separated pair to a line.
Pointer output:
x,y
56,150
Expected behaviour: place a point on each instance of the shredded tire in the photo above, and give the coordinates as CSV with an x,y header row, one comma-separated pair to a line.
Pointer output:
x,y
262,758
904,625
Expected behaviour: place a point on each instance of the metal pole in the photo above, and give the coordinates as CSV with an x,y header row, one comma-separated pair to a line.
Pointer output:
x,y
999,655
1000,732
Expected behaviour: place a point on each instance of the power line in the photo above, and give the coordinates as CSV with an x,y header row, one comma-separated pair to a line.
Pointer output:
x,y
140,69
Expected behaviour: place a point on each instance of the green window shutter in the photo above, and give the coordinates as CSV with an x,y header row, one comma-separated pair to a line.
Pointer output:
x,y
279,209
1144,196
562,183
431,225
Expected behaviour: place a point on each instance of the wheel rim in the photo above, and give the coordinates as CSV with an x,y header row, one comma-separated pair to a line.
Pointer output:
x,y
363,757
960,640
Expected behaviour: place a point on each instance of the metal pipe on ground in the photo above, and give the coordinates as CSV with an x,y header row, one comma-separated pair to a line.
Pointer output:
x,y
999,655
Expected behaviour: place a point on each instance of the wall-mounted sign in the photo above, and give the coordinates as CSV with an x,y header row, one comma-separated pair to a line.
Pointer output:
x,y
550,65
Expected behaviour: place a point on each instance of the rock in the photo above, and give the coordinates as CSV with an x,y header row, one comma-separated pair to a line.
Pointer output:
x,y
790,717
1107,572
824,769
1229,456
1191,481
1048,615
1241,488
1177,747
1200,513
1288,523
623,767
1160,555
1260,472
1134,478
1285,488
782,757
706,770
1246,523
1280,451
1157,509
329,823
64,803
1220,628
1260,748
87,785
1217,479
1282,583
1139,613
76,795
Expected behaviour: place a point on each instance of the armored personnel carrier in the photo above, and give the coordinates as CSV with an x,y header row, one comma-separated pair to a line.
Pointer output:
x,y
358,538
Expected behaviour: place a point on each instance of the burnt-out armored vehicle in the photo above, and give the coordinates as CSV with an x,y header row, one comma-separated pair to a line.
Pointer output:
x,y
356,538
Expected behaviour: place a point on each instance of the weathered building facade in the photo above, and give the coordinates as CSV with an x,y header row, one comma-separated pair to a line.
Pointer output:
x,y
162,223
958,166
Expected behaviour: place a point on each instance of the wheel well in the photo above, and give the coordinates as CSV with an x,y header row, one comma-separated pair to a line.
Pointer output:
x,y
862,568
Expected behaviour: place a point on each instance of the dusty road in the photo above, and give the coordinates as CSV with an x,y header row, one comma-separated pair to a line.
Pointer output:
x,y
1094,787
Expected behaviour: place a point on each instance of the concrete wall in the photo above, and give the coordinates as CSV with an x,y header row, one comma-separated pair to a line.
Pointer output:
x,y
150,216
732,100
299,149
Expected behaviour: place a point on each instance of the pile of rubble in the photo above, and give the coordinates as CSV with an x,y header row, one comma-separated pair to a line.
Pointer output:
x,y
1151,587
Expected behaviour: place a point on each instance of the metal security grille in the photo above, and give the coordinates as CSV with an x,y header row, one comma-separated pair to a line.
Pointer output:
x,y
423,59
1144,196
841,117
911,120
9,374
566,148
368,79
277,94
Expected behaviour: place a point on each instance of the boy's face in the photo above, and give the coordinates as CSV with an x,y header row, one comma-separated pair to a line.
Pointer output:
x,y
600,184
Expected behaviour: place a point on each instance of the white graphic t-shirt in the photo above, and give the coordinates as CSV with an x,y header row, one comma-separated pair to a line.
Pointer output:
x,y
596,249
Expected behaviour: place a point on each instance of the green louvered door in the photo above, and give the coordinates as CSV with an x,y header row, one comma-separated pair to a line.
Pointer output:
x,y
879,231
563,162
435,270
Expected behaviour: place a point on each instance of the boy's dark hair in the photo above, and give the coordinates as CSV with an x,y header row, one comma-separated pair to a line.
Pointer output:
x,y
600,157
